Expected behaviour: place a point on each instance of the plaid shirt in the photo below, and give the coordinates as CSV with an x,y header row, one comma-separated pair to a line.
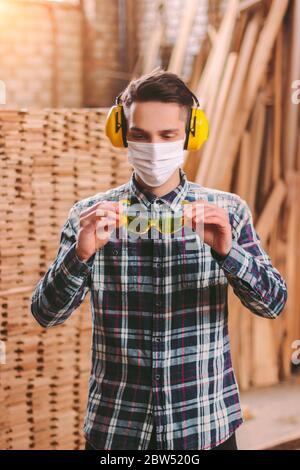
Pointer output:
x,y
160,344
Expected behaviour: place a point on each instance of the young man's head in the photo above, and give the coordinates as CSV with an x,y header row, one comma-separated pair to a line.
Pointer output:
x,y
156,107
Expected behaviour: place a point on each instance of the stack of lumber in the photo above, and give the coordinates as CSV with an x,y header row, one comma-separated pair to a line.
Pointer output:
x,y
41,40
49,160
244,83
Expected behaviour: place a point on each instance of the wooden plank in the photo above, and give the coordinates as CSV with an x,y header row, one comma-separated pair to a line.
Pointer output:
x,y
257,133
212,34
298,158
274,253
151,55
179,50
198,64
271,210
291,124
247,4
239,32
276,168
216,123
210,79
131,28
266,178
292,269
246,351
244,170
215,151
234,308
264,355
257,70
264,367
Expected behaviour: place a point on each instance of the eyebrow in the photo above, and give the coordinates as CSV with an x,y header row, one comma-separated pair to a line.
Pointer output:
x,y
133,128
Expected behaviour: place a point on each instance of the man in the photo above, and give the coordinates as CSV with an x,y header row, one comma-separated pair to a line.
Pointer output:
x,y
161,362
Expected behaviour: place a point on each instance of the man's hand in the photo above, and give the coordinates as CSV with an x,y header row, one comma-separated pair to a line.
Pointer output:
x,y
216,230
96,225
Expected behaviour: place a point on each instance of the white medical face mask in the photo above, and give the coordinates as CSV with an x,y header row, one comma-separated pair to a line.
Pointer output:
x,y
155,162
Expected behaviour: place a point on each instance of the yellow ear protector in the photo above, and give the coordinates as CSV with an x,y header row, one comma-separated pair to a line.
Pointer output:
x,y
196,127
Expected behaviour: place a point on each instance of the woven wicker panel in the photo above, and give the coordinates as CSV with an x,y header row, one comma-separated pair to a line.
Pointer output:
x,y
49,160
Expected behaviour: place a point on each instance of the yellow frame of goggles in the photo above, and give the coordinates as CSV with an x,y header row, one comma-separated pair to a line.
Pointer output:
x,y
154,222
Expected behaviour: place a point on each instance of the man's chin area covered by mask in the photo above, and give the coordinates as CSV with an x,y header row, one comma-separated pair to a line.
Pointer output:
x,y
155,163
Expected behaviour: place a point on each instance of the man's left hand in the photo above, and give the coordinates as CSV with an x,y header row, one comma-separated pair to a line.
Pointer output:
x,y
216,230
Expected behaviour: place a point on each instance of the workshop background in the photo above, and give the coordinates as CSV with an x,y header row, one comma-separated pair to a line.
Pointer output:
x,y
62,63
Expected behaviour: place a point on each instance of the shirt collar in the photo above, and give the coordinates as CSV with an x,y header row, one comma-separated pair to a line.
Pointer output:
x,y
172,198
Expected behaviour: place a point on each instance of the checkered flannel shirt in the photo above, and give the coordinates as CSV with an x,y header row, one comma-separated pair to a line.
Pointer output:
x,y
160,346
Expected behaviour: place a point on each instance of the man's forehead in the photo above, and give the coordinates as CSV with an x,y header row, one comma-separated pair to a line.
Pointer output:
x,y
176,110
135,128
138,121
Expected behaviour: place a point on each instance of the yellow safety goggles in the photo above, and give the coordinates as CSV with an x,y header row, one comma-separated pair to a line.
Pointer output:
x,y
167,223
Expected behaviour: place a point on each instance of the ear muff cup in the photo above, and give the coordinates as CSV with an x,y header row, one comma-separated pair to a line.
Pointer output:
x,y
115,126
198,129
196,126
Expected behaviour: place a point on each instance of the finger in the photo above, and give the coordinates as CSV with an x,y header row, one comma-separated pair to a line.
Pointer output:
x,y
210,211
196,211
100,212
104,204
207,205
96,215
104,227
217,220
200,203
203,208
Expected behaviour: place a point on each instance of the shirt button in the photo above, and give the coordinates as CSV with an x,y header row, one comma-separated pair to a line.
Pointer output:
x,y
115,252
157,203
158,303
157,339
157,377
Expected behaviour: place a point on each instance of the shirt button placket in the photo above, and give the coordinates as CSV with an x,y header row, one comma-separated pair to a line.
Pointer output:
x,y
156,333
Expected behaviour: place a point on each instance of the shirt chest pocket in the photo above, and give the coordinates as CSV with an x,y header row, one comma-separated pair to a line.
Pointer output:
x,y
123,266
198,268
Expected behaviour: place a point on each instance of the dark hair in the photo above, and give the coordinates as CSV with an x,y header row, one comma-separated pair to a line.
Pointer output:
x,y
157,85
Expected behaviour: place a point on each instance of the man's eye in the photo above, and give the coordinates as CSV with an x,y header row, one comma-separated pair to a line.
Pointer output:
x,y
139,136
168,137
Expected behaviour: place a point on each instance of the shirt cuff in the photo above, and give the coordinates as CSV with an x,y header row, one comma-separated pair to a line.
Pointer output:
x,y
236,262
217,256
74,266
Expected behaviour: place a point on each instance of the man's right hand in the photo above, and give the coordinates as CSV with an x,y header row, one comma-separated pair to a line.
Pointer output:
x,y
96,225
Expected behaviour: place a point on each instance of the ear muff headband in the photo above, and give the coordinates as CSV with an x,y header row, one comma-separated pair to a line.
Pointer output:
x,y
196,126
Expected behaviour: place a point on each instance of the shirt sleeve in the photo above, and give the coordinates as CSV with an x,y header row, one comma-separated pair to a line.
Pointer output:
x,y
64,286
249,270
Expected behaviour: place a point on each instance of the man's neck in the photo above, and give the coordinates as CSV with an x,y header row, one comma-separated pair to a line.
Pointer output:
x,y
165,188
